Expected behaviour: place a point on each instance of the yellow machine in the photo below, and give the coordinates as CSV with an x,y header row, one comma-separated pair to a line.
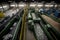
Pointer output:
x,y
1,15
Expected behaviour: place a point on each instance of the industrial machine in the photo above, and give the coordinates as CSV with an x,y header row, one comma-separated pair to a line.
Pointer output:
x,y
15,27
42,30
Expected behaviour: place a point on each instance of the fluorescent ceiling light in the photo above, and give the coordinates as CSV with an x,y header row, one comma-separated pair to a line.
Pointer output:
x,y
22,5
48,5
12,5
5,6
32,5
40,5
0,6
55,5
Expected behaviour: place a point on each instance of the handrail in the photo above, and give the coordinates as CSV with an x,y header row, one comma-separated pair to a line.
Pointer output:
x,y
23,29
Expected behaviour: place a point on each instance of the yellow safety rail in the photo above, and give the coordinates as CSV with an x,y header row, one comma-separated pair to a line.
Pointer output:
x,y
23,29
2,14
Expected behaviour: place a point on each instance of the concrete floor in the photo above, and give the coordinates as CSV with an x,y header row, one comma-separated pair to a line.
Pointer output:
x,y
29,34
39,32
55,24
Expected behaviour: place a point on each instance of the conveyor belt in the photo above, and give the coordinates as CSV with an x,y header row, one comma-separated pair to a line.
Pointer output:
x,y
7,27
40,35
39,32
4,22
11,32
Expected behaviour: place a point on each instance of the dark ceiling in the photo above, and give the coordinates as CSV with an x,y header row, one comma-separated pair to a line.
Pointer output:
x,y
57,1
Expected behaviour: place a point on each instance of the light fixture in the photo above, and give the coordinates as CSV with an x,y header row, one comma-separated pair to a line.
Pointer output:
x,y
32,5
12,5
0,6
39,5
5,6
48,5
55,5
22,5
